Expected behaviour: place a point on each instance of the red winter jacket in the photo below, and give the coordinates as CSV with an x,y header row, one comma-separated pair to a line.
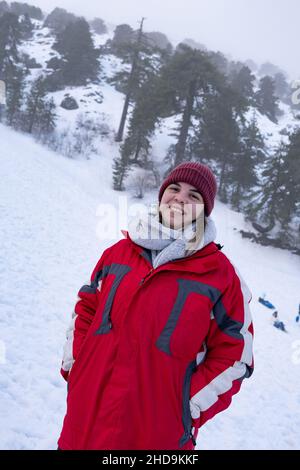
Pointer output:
x,y
156,352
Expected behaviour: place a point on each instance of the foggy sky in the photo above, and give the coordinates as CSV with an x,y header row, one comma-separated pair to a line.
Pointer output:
x,y
261,30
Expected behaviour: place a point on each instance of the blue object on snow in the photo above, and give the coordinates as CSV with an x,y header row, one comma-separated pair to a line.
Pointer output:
x,y
280,325
266,303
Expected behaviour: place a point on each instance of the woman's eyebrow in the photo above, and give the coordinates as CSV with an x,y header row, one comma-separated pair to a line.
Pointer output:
x,y
195,191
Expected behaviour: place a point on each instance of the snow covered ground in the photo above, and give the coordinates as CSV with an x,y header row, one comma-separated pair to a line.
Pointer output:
x,y
50,241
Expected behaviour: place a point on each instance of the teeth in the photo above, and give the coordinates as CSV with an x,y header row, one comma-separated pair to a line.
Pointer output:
x,y
176,209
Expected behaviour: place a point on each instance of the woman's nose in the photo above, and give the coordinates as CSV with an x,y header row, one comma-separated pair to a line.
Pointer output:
x,y
181,198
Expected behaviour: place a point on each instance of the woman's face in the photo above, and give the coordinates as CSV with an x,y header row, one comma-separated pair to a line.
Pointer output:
x,y
180,204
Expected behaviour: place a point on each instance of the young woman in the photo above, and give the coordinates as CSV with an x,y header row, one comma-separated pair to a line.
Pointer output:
x,y
161,338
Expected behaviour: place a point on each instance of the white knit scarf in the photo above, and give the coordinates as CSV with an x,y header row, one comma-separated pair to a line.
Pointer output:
x,y
167,244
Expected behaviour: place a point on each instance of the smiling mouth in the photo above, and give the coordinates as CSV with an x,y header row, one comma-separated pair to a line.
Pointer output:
x,y
177,210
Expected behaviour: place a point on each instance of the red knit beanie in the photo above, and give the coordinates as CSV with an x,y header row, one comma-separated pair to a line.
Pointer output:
x,y
198,175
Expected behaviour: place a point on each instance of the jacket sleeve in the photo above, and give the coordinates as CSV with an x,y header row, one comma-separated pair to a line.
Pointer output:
x,y
229,357
81,320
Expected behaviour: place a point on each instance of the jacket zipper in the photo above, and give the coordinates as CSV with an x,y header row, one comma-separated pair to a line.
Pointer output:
x,y
193,439
172,261
186,412
147,275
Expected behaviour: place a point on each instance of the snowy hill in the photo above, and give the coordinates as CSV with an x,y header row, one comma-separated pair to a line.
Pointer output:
x,y
103,102
93,100
50,240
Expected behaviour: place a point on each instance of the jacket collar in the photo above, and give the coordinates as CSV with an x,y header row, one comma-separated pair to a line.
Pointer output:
x,y
186,264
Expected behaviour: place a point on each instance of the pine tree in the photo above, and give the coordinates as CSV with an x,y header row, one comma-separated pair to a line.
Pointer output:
x,y
267,204
39,115
217,135
80,58
293,175
137,145
289,209
14,95
124,37
189,76
47,118
219,61
276,201
34,105
243,172
58,19
120,171
4,7
142,68
11,68
9,40
26,27
98,26
282,88
241,82
266,101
